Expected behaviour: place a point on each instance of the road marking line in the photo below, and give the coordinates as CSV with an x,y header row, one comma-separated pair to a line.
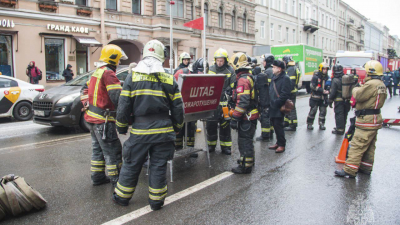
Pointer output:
x,y
175,197
43,142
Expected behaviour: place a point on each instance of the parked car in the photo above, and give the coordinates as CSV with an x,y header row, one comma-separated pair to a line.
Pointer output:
x,y
61,106
16,98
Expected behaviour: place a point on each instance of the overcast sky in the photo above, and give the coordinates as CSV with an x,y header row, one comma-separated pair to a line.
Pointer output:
x,y
386,12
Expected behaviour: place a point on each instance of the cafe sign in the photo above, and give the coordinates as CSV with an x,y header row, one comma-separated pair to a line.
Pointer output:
x,y
68,29
7,23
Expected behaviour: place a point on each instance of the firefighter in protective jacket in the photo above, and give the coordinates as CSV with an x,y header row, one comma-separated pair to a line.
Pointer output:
x,y
263,82
319,97
100,99
342,106
294,75
184,60
221,67
369,98
154,99
245,114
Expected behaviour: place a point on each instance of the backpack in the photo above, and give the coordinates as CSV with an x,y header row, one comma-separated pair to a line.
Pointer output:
x,y
347,86
38,72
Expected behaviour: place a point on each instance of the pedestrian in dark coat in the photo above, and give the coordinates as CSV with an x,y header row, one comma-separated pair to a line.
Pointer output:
x,y
33,73
68,73
279,92
396,81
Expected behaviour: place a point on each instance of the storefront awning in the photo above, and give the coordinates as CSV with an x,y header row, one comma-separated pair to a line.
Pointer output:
x,y
88,41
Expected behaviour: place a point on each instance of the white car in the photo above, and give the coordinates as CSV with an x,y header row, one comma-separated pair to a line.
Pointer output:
x,y
16,97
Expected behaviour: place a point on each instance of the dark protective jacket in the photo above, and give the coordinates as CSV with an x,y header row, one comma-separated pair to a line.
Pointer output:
x,y
68,72
293,74
262,87
102,91
318,86
336,89
396,77
181,66
256,71
157,108
245,97
283,86
387,79
229,83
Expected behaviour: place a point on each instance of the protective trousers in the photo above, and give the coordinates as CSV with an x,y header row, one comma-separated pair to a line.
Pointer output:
x,y
247,130
342,109
395,88
317,104
134,157
180,137
225,138
106,153
291,119
267,130
361,152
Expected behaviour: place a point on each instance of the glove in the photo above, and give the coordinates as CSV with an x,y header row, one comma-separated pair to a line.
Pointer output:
x,y
330,105
234,123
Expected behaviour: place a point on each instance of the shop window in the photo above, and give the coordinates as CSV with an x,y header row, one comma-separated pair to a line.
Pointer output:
x,y
81,2
6,57
136,6
111,4
177,9
220,17
55,58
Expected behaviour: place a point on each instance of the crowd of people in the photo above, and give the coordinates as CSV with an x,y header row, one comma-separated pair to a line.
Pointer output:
x,y
151,101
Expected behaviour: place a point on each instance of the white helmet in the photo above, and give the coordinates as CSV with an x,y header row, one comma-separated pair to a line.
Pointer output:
x,y
155,49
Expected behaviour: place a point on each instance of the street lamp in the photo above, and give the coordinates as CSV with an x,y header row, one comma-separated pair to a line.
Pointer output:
x,y
171,42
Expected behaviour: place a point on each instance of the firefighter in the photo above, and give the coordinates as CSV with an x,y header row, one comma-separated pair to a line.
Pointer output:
x,y
342,107
153,98
245,114
100,99
197,68
356,77
263,81
184,60
294,75
370,98
225,140
319,97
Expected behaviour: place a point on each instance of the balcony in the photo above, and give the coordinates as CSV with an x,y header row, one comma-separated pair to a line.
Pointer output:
x,y
350,23
84,11
351,37
360,28
8,3
48,6
310,25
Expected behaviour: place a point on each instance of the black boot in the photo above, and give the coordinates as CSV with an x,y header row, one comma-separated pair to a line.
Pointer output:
x,y
226,151
335,131
119,201
290,128
156,207
364,172
211,149
263,139
342,173
322,126
106,180
310,127
242,170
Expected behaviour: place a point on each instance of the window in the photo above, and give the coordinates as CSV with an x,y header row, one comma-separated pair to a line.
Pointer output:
x,y
287,34
55,58
301,37
234,20
177,9
323,19
264,2
220,18
314,14
279,5
244,22
273,4
294,8
7,83
286,6
307,40
136,6
334,45
322,42
330,45
6,55
300,14
326,22
80,2
294,36
280,33
272,31
193,54
307,13
262,29
314,40
206,14
111,4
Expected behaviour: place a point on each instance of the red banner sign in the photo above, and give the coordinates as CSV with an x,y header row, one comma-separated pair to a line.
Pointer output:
x,y
201,93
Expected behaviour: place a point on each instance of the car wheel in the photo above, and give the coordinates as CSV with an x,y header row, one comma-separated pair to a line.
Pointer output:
x,y
23,111
83,124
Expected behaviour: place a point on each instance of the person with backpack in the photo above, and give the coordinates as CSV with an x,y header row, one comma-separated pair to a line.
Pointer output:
x,y
68,73
34,73
396,81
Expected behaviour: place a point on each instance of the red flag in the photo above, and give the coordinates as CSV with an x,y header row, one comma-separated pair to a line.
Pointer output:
x,y
196,24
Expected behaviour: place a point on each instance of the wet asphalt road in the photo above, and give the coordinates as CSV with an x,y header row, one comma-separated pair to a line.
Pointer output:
x,y
296,187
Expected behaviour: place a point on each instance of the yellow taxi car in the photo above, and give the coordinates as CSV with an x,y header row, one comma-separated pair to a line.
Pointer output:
x,y
16,97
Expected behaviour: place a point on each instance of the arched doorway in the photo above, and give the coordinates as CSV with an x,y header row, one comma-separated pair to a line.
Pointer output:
x,y
133,49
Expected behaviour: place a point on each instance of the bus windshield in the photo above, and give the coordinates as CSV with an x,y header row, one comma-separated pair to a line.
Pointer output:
x,y
352,61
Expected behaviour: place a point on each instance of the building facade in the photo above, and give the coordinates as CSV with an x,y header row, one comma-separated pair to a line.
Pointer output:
x,y
61,32
373,38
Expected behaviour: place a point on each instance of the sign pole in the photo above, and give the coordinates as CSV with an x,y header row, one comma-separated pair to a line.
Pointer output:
x,y
204,30
171,41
